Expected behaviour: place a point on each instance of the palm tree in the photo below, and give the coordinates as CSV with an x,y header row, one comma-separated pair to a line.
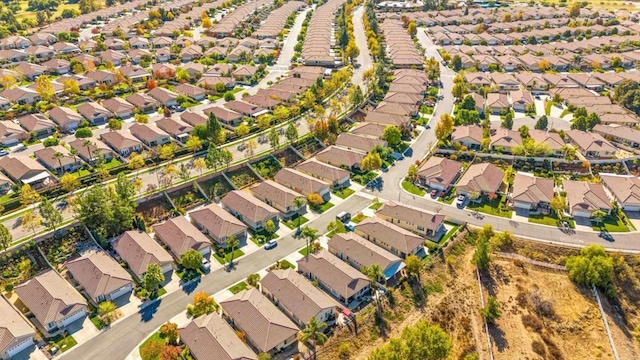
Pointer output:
x,y
299,202
232,242
74,154
312,333
309,234
58,155
87,143
374,272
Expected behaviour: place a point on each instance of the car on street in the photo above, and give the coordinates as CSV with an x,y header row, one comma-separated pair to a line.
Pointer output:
x,y
4,152
270,244
460,201
343,217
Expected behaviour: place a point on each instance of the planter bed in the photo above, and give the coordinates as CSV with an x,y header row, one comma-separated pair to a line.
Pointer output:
x,y
215,187
242,177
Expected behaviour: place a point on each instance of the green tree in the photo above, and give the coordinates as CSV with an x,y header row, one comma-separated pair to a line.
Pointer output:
x,y
444,127
574,10
28,195
507,122
152,278
598,216
413,266
356,96
299,203
270,226
114,124
232,243
393,136
51,217
5,237
375,274
106,309
593,266
336,227
191,260
491,312
371,162
310,235
313,334
274,138
481,257
542,123
412,173
253,280
422,341
215,130
291,133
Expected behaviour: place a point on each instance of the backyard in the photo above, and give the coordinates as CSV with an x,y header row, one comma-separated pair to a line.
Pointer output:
x,y
65,245
242,177
187,197
267,167
288,158
309,147
21,264
215,187
155,209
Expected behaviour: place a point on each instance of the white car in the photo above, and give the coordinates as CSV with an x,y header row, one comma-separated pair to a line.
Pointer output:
x,y
270,244
206,265
460,201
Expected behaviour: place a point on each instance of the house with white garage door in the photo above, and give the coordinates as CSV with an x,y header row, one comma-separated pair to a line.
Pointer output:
x,y
625,189
16,334
583,198
139,251
100,276
53,302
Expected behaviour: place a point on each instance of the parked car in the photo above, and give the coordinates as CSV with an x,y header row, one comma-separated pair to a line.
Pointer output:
x,y
343,217
460,201
434,193
349,227
4,152
270,244
206,265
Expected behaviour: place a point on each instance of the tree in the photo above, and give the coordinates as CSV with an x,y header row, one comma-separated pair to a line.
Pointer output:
x,y
242,130
444,127
310,235
593,266
507,122
412,173
481,257
393,136
264,122
270,226
202,304
136,161
199,165
598,216
371,162
51,217
170,352
167,151
31,221
206,21
544,65
412,29
344,350
281,113
152,278
229,96
574,10
253,280
232,243
28,195
191,260
252,145
44,88
274,138
413,265
8,82
491,312
315,199
69,182
291,133
169,331
151,350
5,237
374,273
352,51
421,341
299,203
356,96
215,130
106,309
558,204
336,227
313,334
25,266
114,124
542,123
71,87
194,143
459,90
456,64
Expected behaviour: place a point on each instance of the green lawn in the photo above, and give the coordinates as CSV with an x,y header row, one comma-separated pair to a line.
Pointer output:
x,y
549,220
227,256
238,287
284,264
95,319
113,163
450,232
82,172
408,186
491,207
376,206
8,197
64,343
358,218
322,208
344,193
610,224
448,197
304,251
292,224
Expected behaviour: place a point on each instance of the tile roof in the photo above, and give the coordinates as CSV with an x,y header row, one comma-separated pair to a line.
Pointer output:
x,y
300,181
321,170
362,251
440,170
13,327
337,274
181,236
625,188
532,189
485,178
397,237
218,222
139,250
210,337
98,273
585,196
411,215
275,194
248,206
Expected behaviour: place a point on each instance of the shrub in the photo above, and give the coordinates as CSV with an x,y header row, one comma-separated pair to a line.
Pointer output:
x,y
151,350
84,133
539,348
8,287
532,322
51,141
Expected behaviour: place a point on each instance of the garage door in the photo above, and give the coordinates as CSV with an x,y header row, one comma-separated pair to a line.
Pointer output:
x,y
77,316
19,347
123,290
631,208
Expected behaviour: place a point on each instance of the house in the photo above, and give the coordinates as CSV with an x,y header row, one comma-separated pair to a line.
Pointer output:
x,y
298,298
178,129
249,210
5,104
134,73
53,302
57,66
11,133
591,144
143,102
583,198
266,329
150,135
389,236
246,109
359,142
439,173
100,276
209,336
194,92
229,119
218,224
122,142
336,277
469,136
625,189
181,236
359,253
101,77
482,179
369,129
497,103
22,169
37,124
193,118
413,219
31,71
620,134
166,97
336,156
17,333
58,159
504,140
163,71
67,119
139,251
280,197
532,193
521,100
21,95
95,113
244,73
89,151
552,140
337,178
303,183
119,107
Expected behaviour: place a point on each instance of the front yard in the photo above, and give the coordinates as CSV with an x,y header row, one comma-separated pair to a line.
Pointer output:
x,y
409,187
610,224
549,220
295,222
496,207
321,208
238,287
219,252
344,193
63,343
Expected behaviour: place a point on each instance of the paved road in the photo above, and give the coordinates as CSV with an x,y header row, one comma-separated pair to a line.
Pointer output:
x,y
364,59
124,336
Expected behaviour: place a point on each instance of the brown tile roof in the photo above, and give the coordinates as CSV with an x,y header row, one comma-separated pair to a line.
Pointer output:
x,y
319,169
141,100
473,132
210,337
370,129
139,250
120,139
411,215
223,114
218,222
193,118
87,152
588,141
440,170
485,178
49,297
146,132
625,188
340,157
173,126
13,327
18,166
395,236
361,251
248,206
181,236
300,181
505,137
98,273
275,194
47,156
117,105
264,325
586,196
359,142
35,122
532,189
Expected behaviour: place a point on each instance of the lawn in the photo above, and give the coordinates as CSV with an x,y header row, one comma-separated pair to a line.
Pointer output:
x,y
376,206
610,224
95,319
322,208
64,343
448,196
344,193
292,224
83,172
408,186
491,207
284,264
8,197
549,220
358,218
227,256
238,287
450,232
304,251
112,163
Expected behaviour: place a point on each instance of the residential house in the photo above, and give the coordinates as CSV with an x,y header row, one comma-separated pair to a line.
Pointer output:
x,y
359,142
11,133
228,119
624,189
193,118
584,198
266,329
119,107
387,119
143,102
101,77
17,333
100,276
57,66
88,150
280,197
37,124
391,237
58,159
5,104
194,92
620,134
552,140
5,184
413,219
480,179
439,173
336,156
31,71
67,119
178,129
591,144
360,253
244,73
504,140
54,303
337,178
209,336
122,142
139,251
22,169
181,236
336,277
218,224
521,100
246,109
532,193
369,129
497,103
21,95
166,97
249,210
469,136
134,73
303,183
95,113
150,135
298,298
